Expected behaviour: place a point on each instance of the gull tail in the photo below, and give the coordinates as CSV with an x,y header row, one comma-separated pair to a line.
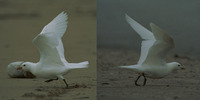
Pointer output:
x,y
78,65
129,66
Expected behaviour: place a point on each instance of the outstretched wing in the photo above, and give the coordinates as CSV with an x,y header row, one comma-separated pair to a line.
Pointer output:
x,y
163,44
155,45
146,35
49,42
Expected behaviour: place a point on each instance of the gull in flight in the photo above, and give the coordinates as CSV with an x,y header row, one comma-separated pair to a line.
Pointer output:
x,y
52,64
155,46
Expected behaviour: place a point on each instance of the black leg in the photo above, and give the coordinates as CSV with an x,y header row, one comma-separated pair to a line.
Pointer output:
x,y
137,80
65,83
145,80
51,80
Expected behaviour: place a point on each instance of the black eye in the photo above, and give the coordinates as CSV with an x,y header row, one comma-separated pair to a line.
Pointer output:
x,y
179,65
24,65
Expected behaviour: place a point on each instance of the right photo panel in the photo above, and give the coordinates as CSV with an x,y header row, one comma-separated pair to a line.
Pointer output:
x,y
148,50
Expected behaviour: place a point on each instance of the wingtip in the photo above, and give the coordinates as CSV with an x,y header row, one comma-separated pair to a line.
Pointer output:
x,y
125,14
122,66
127,17
65,16
63,13
152,24
85,62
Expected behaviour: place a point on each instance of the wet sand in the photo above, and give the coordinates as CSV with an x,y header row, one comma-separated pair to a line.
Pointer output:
x,y
118,84
21,21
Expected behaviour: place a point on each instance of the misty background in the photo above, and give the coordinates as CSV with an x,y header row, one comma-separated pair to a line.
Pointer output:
x,y
179,18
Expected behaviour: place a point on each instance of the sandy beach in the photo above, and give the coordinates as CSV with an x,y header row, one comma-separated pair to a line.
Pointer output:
x,y
118,84
21,21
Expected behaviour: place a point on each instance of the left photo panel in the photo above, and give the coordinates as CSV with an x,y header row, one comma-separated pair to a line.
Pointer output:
x,y
48,50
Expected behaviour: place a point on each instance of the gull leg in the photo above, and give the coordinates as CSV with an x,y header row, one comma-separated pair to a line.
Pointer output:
x,y
65,83
145,80
61,77
137,80
51,80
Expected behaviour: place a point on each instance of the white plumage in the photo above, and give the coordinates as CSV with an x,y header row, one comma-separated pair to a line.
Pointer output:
x,y
13,73
52,63
155,46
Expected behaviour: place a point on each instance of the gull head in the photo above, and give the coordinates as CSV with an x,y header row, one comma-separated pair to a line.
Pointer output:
x,y
176,66
26,66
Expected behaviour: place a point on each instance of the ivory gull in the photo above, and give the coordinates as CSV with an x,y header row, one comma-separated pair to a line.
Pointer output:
x,y
155,46
52,63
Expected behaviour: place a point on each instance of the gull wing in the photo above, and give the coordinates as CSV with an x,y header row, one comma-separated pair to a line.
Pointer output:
x,y
163,44
49,42
146,35
155,44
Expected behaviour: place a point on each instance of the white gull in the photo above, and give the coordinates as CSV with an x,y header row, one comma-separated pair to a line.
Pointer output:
x,y
52,64
155,46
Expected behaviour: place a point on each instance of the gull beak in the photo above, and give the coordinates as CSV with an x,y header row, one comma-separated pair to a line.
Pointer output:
x,y
183,68
19,68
